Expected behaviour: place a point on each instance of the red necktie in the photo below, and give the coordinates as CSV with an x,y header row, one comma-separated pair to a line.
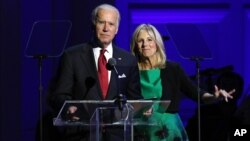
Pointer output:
x,y
103,73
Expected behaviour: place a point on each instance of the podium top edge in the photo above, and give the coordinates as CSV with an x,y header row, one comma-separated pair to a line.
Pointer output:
x,y
112,101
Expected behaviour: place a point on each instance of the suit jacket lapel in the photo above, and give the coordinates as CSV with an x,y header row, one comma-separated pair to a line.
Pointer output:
x,y
113,84
88,60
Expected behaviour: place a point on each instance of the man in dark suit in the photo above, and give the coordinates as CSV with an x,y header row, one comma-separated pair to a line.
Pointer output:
x,y
79,71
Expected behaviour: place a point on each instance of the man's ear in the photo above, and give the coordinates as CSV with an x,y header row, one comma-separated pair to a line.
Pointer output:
x,y
116,30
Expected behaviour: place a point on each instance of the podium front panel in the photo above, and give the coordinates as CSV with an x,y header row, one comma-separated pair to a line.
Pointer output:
x,y
102,116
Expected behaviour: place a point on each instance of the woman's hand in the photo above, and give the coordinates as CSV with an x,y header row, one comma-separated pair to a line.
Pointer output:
x,y
220,93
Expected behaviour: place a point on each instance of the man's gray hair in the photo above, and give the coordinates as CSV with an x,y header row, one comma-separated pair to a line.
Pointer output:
x,y
106,7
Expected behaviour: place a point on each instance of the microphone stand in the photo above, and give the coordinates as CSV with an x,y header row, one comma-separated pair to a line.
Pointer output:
x,y
121,99
197,63
40,89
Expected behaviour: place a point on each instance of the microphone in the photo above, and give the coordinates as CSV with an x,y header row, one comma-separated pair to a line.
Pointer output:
x,y
121,99
111,65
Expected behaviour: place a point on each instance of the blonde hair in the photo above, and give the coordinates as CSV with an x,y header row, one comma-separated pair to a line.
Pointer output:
x,y
156,36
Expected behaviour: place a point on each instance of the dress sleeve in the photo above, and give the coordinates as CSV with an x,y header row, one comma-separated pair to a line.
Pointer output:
x,y
187,86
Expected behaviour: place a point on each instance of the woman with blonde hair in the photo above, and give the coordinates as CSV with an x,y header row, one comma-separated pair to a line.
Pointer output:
x,y
164,80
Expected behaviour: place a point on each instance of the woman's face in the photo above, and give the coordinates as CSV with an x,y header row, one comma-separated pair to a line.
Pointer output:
x,y
146,44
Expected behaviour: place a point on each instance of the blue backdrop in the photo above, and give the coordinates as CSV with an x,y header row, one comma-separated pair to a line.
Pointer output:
x,y
223,25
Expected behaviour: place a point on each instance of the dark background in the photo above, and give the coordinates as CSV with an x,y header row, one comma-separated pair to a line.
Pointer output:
x,y
224,25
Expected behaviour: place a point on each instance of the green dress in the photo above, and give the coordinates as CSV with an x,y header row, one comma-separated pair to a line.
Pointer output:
x,y
170,127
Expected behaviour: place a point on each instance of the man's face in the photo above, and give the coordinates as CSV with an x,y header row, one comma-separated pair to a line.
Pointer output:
x,y
106,26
